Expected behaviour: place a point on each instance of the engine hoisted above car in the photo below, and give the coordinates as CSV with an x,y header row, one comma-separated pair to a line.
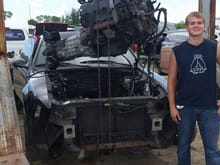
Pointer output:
x,y
111,26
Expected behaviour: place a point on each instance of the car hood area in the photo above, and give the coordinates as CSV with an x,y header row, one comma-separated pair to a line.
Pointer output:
x,y
79,85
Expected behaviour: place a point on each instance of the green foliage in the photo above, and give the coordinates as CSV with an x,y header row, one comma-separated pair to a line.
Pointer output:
x,y
71,19
47,18
32,22
75,17
180,25
55,19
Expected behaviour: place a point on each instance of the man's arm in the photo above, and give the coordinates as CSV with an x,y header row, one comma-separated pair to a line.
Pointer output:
x,y
172,81
218,97
218,61
218,53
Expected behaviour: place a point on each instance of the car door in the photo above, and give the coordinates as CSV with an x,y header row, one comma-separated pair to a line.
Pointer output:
x,y
19,68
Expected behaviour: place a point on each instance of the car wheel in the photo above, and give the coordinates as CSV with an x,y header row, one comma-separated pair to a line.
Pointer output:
x,y
168,135
34,150
18,103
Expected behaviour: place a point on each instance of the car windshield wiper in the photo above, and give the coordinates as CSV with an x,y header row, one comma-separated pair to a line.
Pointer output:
x,y
103,62
69,65
40,65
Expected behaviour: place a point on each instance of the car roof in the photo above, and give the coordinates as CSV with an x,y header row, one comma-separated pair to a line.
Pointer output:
x,y
177,31
180,32
169,26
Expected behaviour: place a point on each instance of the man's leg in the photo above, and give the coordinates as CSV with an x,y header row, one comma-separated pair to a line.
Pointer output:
x,y
209,129
185,133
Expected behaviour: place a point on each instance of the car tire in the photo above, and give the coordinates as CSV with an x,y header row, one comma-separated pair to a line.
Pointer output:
x,y
168,136
38,152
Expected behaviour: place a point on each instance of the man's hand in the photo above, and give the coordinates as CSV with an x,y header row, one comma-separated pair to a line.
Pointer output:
x,y
174,113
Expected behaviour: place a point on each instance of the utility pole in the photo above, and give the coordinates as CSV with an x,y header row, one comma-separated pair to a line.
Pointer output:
x,y
11,148
208,8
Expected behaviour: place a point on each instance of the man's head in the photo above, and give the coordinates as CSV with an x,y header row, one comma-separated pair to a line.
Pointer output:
x,y
195,24
194,14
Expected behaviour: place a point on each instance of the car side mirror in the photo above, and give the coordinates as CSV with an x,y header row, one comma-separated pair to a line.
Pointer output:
x,y
23,56
20,63
10,54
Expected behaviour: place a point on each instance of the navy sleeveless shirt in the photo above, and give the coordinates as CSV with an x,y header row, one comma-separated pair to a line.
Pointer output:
x,y
196,74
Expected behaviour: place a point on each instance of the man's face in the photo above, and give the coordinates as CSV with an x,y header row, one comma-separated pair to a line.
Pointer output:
x,y
195,26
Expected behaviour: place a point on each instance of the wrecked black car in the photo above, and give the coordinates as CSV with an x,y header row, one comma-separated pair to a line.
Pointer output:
x,y
86,95
91,102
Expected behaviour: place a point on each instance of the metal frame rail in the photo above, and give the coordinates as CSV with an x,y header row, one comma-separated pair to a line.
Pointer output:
x,y
11,148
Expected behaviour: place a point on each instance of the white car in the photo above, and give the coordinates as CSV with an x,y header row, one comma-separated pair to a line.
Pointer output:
x,y
15,39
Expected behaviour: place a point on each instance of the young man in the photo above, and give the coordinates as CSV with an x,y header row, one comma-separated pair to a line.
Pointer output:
x,y
192,91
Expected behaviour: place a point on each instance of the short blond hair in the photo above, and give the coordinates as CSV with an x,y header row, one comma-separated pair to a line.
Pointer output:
x,y
196,14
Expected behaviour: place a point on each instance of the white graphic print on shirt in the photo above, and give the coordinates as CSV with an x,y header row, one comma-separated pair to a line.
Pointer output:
x,y
198,65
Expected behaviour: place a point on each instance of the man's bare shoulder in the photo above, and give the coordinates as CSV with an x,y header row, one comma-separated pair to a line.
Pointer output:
x,y
218,53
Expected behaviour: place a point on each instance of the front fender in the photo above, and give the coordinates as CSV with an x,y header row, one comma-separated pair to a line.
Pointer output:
x,y
37,89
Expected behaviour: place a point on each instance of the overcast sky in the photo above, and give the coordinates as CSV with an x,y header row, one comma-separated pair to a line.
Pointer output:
x,y
23,10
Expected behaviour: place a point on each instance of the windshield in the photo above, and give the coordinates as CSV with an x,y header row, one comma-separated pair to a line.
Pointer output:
x,y
85,60
14,35
28,48
179,37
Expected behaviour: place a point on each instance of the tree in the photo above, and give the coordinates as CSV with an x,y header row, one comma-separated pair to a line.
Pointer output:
x,y
55,19
180,25
75,17
32,22
70,19
7,14
44,18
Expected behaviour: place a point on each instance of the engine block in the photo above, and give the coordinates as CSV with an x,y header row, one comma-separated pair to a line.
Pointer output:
x,y
115,24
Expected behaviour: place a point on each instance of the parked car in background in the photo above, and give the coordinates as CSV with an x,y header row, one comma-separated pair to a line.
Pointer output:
x,y
15,39
169,26
83,100
171,38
